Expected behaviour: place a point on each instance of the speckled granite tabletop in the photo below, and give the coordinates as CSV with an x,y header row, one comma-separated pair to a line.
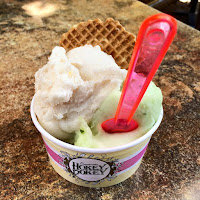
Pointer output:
x,y
171,165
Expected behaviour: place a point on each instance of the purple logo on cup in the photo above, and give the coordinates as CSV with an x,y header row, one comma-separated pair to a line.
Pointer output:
x,y
90,169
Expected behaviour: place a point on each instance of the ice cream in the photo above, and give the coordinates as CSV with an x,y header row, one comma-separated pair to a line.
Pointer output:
x,y
76,91
73,85
147,113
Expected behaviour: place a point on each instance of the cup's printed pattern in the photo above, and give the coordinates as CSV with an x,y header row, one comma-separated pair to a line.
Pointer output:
x,y
89,168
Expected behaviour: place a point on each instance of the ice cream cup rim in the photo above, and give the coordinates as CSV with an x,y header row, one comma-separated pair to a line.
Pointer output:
x,y
93,150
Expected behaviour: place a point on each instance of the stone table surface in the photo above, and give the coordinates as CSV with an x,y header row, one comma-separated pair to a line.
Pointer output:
x,y
171,166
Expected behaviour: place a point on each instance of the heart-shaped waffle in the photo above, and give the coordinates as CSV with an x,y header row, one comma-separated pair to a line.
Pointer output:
x,y
110,35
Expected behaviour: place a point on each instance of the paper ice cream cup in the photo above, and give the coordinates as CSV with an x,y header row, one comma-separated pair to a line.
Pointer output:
x,y
91,167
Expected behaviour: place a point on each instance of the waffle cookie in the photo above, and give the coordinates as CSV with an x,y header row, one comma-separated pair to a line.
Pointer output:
x,y
110,35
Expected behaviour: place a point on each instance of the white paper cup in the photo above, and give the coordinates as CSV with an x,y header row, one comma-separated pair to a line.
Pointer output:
x,y
95,167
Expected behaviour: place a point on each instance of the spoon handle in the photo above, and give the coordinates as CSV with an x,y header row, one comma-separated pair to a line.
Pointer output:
x,y
154,38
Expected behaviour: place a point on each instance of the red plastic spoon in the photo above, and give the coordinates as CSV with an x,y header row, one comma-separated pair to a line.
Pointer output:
x,y
154,38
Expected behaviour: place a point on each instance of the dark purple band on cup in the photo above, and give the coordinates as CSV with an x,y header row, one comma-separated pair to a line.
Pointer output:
x,y
123,164
53,154
130,162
